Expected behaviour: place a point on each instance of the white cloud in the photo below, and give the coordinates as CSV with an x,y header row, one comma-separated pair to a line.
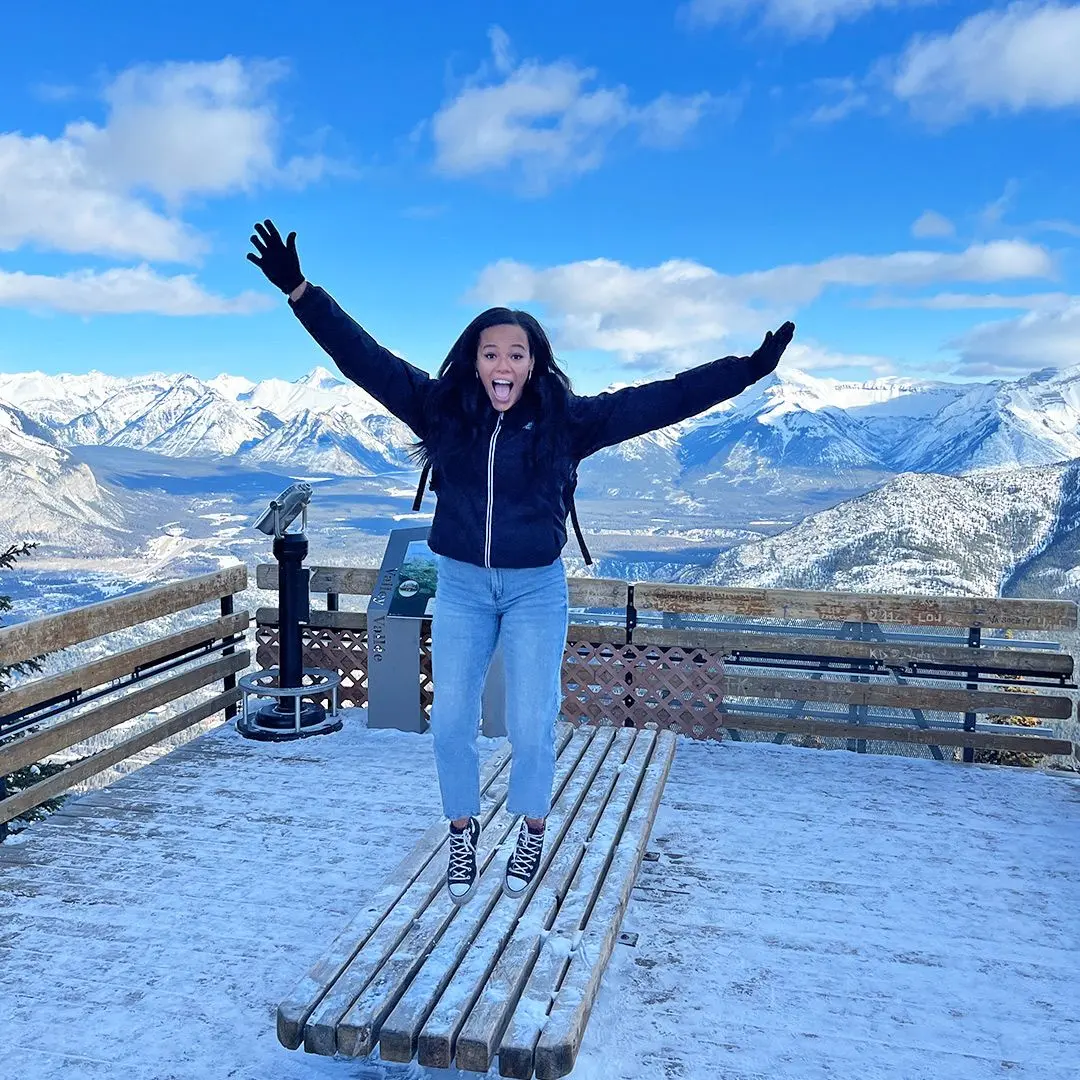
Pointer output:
x,y
931,223
680,310
181,129
121,291
52,198
969,301
1002,60
501,51
172,131
543,121
1058,225
992,214
1047,337
804,356
797,18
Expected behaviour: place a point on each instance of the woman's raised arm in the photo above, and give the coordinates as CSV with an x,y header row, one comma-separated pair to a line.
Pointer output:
x,y
613,417
393,382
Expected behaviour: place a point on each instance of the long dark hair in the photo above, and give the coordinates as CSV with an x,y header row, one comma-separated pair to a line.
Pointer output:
x,y
459,402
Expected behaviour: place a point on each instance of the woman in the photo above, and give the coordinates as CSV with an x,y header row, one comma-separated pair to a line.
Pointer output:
x,y
504,434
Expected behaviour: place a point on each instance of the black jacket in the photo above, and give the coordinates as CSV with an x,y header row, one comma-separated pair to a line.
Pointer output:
x,y
485,514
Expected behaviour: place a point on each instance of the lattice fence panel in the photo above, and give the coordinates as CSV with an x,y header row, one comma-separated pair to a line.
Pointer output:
x,y
622,685
427,682
343,651
669,688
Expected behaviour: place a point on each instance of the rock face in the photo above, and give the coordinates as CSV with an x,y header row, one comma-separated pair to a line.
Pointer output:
x,y
49,496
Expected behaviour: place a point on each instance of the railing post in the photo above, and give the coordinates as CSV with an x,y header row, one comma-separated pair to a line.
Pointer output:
x,y
229,682
3,795
975,641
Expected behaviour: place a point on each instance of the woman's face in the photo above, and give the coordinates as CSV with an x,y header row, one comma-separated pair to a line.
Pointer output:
x,y
503,362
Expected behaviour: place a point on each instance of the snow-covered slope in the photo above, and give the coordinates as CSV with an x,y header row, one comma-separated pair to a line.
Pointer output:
x,y
47,496
1000,425
789,423
54,400
336,442
318,391
924,533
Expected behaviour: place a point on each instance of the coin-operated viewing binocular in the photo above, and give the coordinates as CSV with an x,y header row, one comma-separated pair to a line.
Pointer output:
x,y
289,716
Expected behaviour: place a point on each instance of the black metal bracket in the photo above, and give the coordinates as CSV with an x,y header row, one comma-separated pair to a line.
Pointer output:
x,y
631,615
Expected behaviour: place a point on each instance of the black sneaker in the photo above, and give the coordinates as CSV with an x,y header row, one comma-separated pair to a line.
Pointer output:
x,y
521,867
461,869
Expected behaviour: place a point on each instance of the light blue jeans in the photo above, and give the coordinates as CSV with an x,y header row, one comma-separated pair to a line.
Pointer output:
x,y
525,611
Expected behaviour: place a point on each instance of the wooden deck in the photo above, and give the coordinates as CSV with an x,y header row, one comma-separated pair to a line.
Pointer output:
x,y
811,914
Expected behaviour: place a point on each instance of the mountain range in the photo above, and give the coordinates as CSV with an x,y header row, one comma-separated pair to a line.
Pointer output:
x,y
801,481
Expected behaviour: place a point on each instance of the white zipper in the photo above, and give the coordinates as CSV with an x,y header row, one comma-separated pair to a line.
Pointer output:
x,y
490,491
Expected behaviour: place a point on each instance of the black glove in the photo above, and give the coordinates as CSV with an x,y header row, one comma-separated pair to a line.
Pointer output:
x,y
279,261
768,353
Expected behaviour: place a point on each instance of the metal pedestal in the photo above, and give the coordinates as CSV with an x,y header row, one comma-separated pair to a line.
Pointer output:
x,y
297,719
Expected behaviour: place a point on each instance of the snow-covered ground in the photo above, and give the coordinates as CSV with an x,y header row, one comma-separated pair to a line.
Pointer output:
x,y
812,915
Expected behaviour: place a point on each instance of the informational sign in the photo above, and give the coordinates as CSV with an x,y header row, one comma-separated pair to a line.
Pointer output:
x,y
403,598
417,578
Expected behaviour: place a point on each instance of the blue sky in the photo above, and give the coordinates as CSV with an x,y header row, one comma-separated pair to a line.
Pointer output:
x,y
659,183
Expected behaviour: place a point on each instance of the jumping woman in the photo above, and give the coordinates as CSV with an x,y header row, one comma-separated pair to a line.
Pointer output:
x,y
503,434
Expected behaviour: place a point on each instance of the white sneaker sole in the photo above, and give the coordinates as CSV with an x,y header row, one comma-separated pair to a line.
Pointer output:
x,y
507,891
459,900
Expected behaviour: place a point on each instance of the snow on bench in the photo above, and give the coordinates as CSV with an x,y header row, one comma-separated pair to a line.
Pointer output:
x,y
419,977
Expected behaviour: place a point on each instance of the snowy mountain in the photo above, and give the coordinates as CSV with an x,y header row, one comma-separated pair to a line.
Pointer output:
x,y
317,391
919,533
645,467
318,421
789,429
893,484
47,495
1000,425
190,420
55,400
337,442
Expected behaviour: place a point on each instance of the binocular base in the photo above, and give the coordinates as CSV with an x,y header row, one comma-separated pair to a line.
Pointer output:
x,y
275,725
289,716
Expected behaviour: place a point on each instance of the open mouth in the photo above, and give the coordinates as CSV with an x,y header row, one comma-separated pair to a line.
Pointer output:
x,y
501,388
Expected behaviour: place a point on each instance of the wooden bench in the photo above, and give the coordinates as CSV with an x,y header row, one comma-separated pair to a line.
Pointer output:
x,y
859,665
419,977
43,716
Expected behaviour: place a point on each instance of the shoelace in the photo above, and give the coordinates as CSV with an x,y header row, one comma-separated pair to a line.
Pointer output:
x,y
462,853
526,852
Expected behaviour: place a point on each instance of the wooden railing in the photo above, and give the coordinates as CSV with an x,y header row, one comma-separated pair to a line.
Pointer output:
x,y
34,720
622,671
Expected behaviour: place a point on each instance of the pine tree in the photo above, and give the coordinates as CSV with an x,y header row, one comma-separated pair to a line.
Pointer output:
x,y
30,774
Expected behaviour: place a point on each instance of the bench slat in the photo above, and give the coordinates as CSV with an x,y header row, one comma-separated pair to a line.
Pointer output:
x,y
437,1038
943,699
321,1030
904,609
988,658
561,1037
1029,744
294,1011
445,931
560,911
